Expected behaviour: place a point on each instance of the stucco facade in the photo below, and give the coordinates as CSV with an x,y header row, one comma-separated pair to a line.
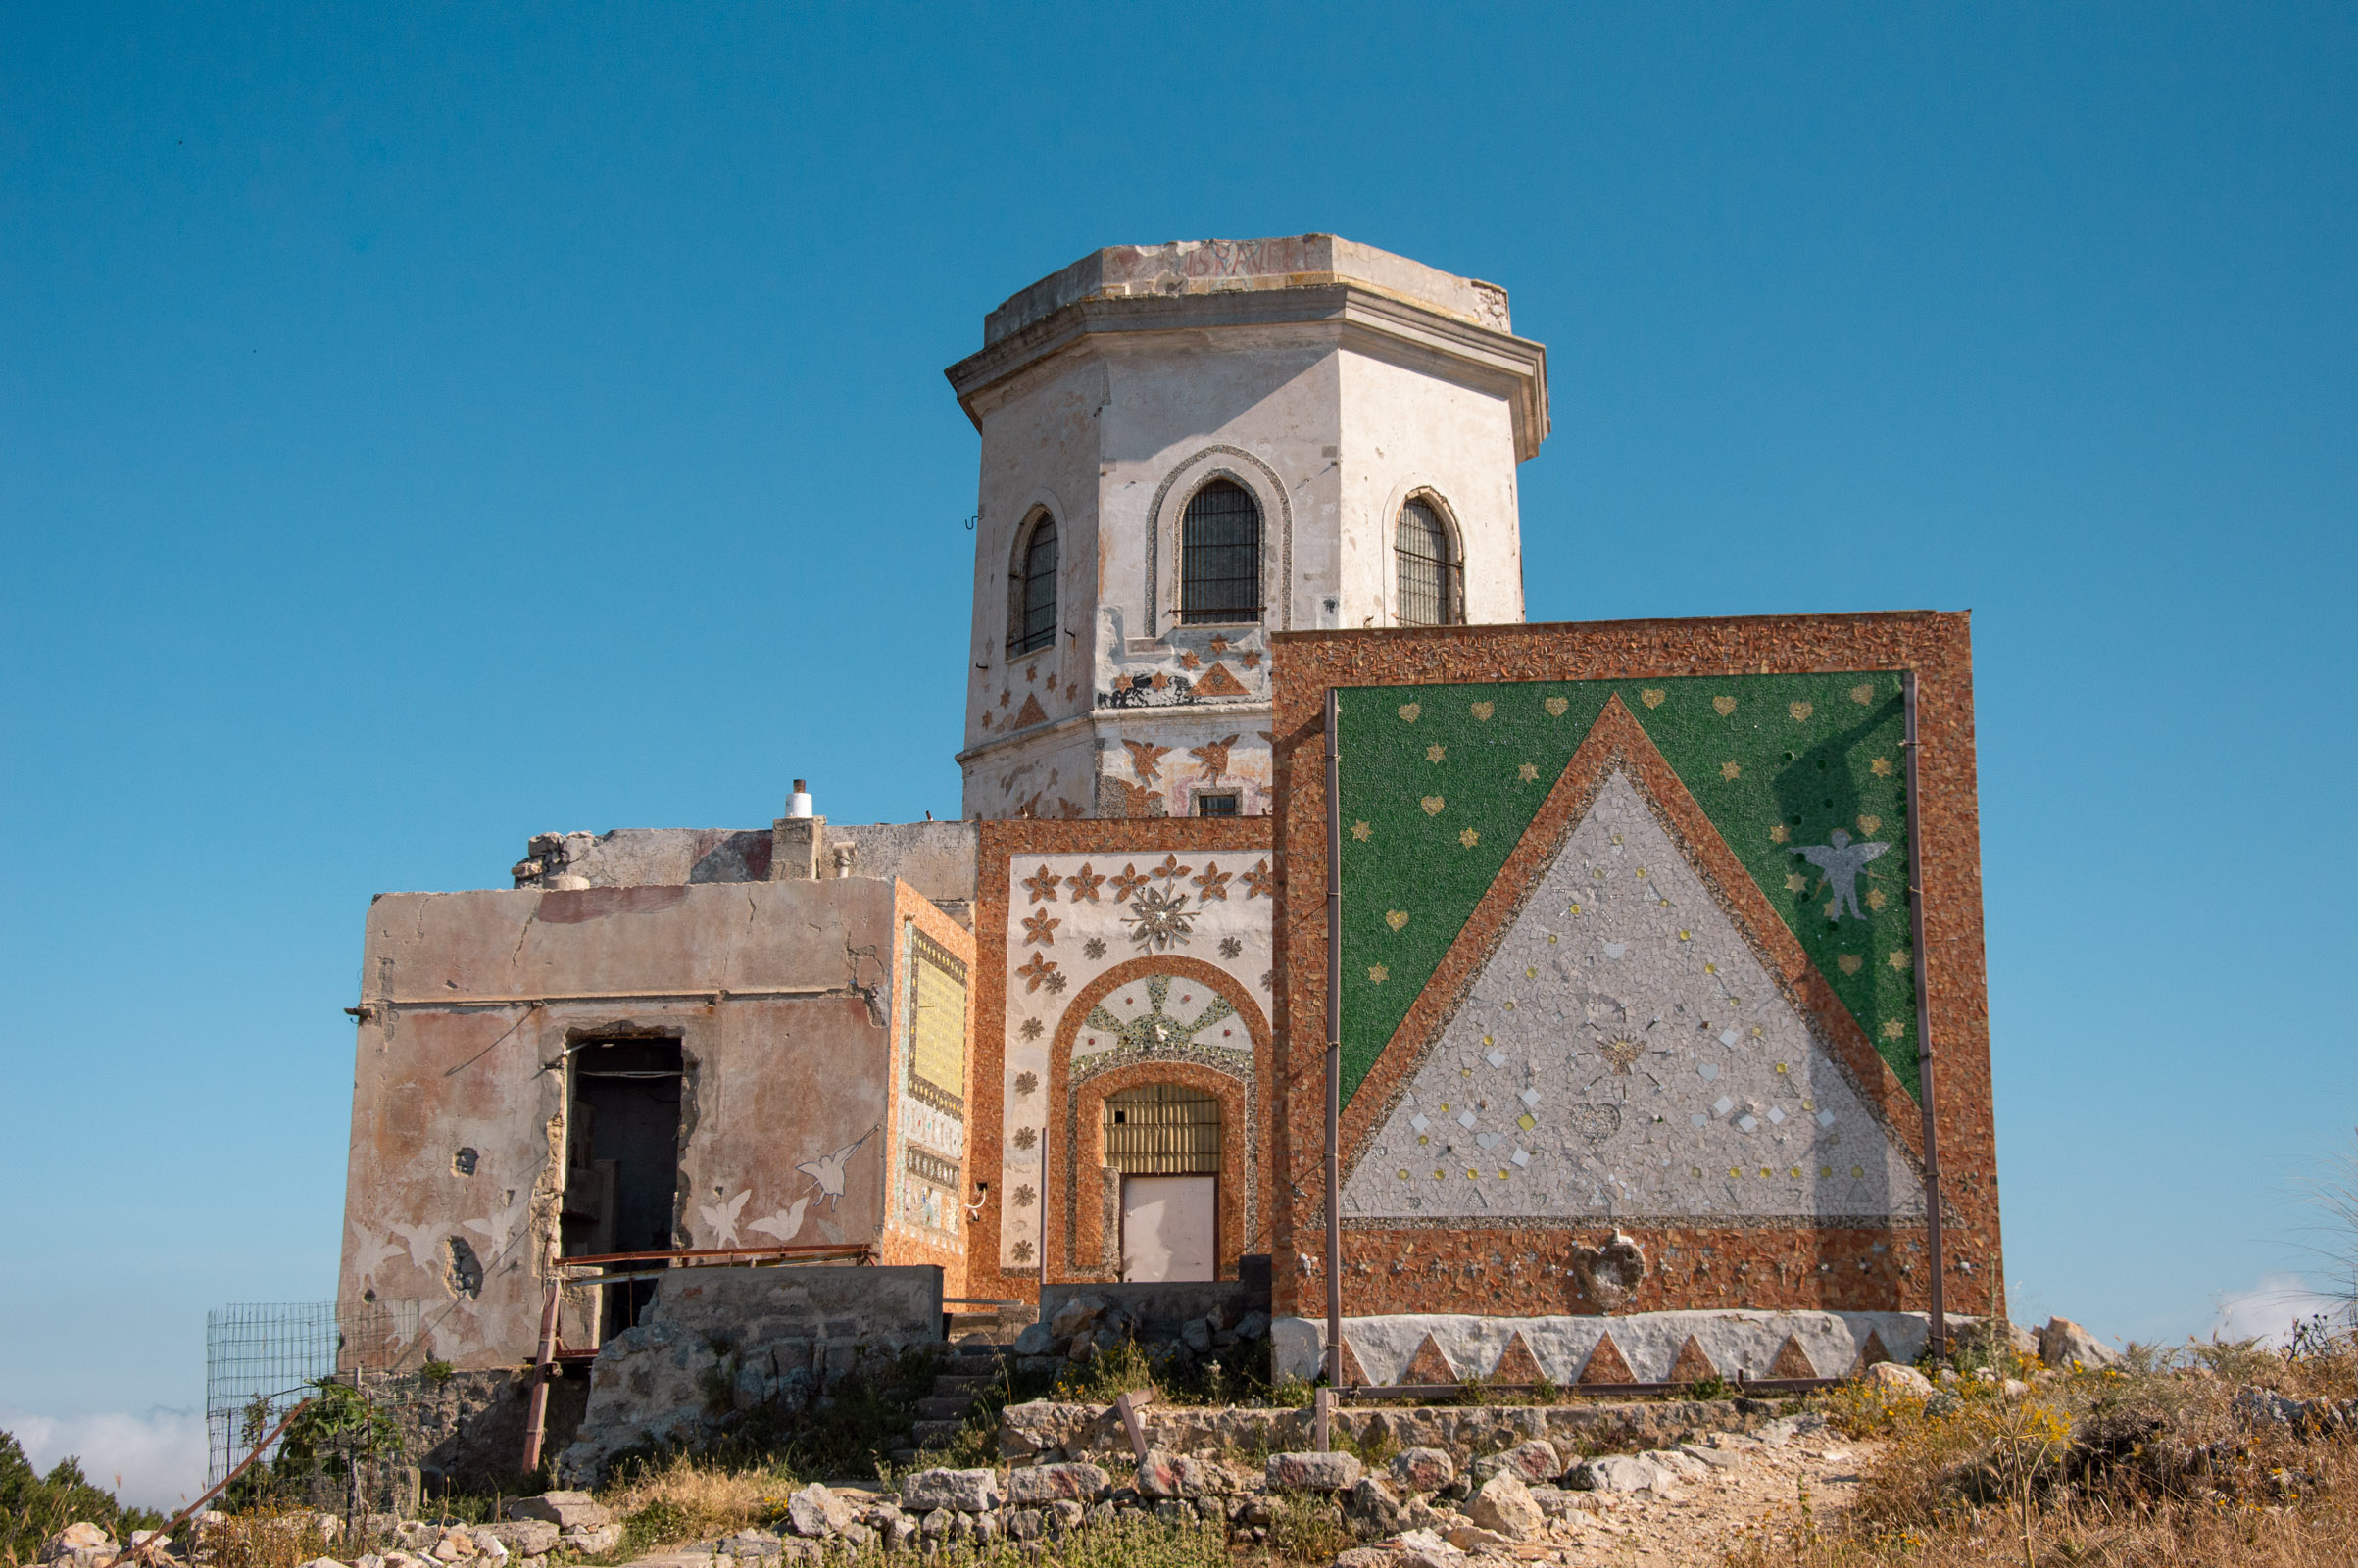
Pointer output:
x,y
789,1008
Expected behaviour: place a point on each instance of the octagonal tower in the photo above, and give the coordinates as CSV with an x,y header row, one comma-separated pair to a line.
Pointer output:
x,y
1188,446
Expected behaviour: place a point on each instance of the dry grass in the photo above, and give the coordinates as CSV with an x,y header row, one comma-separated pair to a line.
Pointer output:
x,y
2147,1466
684,1500
266,1538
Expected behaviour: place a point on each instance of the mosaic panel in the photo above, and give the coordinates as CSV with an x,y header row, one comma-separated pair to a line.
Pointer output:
x,y
1625,1055
1802,775
937,1025
1162,1013
1073,917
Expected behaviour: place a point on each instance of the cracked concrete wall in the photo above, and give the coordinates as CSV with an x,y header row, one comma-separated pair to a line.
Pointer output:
x,y
937,858
782,995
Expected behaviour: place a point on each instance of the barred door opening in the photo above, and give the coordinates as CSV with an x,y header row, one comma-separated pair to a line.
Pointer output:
x,y
622,1162
1165,1141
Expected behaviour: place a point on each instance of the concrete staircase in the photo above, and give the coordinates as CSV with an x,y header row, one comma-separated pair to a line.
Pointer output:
x,y
973,1365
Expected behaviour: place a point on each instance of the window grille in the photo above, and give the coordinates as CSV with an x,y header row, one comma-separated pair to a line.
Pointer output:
x,y
1220,556
1163,1130
1215,806
937,1025
1032,621
1430,593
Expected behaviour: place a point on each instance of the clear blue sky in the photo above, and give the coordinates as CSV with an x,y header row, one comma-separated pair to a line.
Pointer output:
x,y
422,427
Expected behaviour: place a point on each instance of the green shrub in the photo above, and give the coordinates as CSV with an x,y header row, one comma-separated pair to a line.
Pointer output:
x,y
33,1507
1107,1377
1307,1527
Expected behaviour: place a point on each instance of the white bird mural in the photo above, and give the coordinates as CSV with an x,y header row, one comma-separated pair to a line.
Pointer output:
x,y
501,1229
424,1242
785,1224
828,1169
722,1218
367,1251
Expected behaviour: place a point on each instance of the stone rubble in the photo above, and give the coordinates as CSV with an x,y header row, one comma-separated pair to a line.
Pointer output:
x,y
1084,1327
2064,1345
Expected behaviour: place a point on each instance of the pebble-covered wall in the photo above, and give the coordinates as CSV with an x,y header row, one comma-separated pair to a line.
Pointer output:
x,y
1111,954
1629,1010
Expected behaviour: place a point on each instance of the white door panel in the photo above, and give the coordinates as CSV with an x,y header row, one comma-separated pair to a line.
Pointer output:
x,y
1168,1228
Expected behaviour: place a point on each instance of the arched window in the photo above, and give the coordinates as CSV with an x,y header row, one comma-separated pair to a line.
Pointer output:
x,y
1032,590
1220,556
1430,593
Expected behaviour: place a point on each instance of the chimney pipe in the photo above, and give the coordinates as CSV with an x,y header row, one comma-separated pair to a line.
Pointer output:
x,y
798,803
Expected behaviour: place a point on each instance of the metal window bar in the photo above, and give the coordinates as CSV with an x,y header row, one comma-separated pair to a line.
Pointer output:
x,y
1220,557
1163,1130
1034,624
1429,585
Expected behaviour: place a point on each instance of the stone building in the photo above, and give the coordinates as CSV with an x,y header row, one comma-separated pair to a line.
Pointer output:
x,y
617,1057
1218,479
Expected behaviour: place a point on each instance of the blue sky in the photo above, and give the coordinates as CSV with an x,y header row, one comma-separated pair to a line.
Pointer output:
x,y
422,427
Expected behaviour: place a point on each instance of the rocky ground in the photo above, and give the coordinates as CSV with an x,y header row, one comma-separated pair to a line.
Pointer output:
x,y
1695,1480
1730,1489
1668,1506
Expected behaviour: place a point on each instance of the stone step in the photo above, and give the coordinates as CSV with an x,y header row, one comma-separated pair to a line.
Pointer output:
x,y
961,1382
945,1407
934,1433
974,1365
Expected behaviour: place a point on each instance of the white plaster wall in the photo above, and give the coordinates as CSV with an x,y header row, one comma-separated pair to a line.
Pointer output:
x,y
1270,393
1039,448
1113,434
1404,431
1052,776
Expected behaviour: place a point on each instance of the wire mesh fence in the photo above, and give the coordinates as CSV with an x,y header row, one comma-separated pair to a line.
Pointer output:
x,y
262,1358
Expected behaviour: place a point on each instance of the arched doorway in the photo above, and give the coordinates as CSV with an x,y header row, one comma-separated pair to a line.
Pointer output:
x,y
1164,1141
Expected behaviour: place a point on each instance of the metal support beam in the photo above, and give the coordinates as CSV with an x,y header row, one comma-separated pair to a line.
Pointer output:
x,y
1333,1057
1926,1095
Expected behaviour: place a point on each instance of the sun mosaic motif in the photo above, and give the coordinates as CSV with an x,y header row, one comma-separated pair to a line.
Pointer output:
x,y
1163,1013
1632,1060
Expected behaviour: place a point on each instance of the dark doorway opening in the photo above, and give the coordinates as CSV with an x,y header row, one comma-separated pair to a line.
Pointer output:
x,y
622,1160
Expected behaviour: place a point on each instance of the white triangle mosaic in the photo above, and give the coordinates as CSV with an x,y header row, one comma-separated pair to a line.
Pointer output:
x,y
1624,1055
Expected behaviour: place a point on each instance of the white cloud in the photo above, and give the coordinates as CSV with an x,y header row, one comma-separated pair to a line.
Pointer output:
x,y
2269,1308
155,1460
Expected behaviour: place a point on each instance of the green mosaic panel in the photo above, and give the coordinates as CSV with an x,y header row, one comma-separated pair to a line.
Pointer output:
x,y
1439,783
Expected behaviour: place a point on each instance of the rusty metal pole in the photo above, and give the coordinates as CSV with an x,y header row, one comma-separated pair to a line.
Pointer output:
x,y
1334,1050
537,1420
1925,1093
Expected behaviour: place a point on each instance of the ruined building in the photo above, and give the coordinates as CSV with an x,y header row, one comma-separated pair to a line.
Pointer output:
x,y
1635,990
